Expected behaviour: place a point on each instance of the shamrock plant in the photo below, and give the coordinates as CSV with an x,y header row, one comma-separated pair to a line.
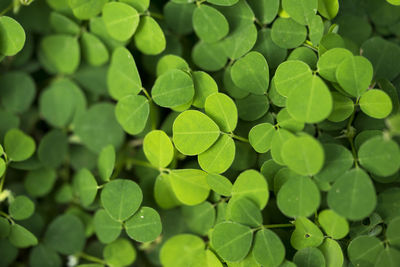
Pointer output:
x,y
189,133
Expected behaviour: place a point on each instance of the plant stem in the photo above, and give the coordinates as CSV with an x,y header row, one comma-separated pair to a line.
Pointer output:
x,y
350,135
278,225
238,137
146,94
8,217
90,258
10,6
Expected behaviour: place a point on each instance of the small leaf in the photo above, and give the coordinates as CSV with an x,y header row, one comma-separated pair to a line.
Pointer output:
x,y
144,226
287,33
268,249
209,24
85,186
149,37
158,148
306,234
132,113
376,104
200,218
21,208
12,36
333,224
244,211
194,132
219,184
20,237
106,228
119,253
106,162
121,198
18,145
360,245
121,20
222,110
231,241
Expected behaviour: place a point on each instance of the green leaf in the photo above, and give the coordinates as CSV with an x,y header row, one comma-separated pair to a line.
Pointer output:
x,y
200,218
219,157
332,252
329,62
53,148
392,232
268,249
354,75
139,5
4,228
260,137
123,77
194,132
287,33
149,37
380,156
179,17
342,107
240,40
106,162
18,91
364,250
311,101
328,8
231,241
163,192
85,186
220,184
290,75
252,107
20,237
170,62
303,154
171,251
209,56
244,211
353,195
376,104
306,234
333,224
204,86
86,9
309,257
60,53
144,226
265,10
98,127
379,50
280,137
62,24
222,110
338,160
388,257
65,234
44,256
251,73
286,121
12,36
58,103
121,198
209,24
18,145
106,228
39,182
316,29
158,148
121,20
223,2
252,184
119,253
298,197
190,186
132,113
300,11
93,50
173,88
21,208
2,167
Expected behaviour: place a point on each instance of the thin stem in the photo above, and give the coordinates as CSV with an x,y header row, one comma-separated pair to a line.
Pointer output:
x,y
8,217
10,6
156,15
90,258
234,136
146,94
284,225
310,45
350,132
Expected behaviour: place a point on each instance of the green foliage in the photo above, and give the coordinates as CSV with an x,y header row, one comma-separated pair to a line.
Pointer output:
x,y
199,133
